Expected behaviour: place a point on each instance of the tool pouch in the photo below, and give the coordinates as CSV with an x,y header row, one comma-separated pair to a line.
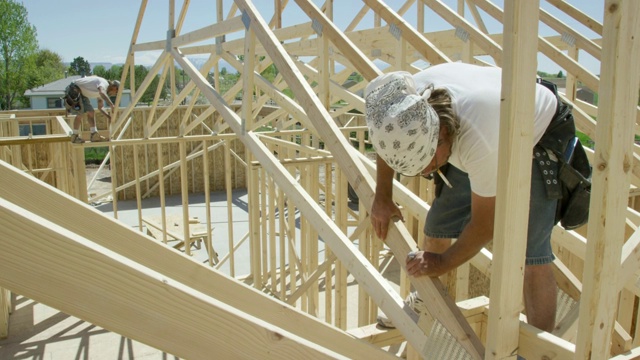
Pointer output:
x,y
574,172
575,178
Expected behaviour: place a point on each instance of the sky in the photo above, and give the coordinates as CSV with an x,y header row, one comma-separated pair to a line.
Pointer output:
x,y
101,31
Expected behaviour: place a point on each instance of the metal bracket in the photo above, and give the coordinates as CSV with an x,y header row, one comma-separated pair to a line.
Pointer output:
x,y
246,20
171,33
219,41
568,38
462,34
395,31
316,26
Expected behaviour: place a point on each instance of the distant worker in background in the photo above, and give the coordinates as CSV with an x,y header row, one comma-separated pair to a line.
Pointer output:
x,y
76,101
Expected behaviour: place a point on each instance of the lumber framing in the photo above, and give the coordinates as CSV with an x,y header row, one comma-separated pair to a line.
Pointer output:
x,y
514,165
277,144
153,255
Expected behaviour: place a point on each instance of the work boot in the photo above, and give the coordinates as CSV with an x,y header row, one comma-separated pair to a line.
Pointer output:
x,y
76,139
413,301
96,137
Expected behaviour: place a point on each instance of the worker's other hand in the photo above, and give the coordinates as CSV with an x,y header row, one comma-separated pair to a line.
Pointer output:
x,y
382,211
425,264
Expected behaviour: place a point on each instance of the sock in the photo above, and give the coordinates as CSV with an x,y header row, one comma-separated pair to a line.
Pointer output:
x,y
94,129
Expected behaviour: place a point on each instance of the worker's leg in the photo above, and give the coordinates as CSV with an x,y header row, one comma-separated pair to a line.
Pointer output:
x,y
87,108
95,136
540,293
447,217
75,137
450,212
540,287
77,122
91,119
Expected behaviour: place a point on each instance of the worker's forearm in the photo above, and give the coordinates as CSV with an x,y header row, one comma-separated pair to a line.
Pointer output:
x,y
472,239
384,178
106,98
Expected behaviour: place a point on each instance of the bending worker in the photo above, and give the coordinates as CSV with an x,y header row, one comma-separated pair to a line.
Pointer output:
x,y
77,102
450,114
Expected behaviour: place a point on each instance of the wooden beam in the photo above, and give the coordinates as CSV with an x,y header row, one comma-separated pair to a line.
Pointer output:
x,y
373,282
38,139
361,63
581,41
492,48
547,48
575,13
43,264
408,32
208,32
140,91
514,177
620,76
431,290
124,241
537,344
5,310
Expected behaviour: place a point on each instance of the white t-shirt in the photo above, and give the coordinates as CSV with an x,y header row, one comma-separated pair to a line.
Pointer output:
x,y
89,86
475,93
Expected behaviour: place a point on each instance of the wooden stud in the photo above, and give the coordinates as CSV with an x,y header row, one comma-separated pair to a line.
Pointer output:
x,y
514,177
614,136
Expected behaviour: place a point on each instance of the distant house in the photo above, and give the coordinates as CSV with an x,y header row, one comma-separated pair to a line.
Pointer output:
x,y
49,96
583,93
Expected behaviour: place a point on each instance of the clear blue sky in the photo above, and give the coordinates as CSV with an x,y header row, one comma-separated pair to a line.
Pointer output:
x,y
100,31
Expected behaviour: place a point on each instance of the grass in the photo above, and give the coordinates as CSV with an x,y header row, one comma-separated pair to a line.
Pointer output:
x,y
95,155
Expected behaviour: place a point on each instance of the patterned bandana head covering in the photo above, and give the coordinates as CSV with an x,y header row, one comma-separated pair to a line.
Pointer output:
x,y
403,127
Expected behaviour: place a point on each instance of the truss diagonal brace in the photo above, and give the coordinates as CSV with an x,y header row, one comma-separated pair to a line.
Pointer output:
x,y
358,265
432,291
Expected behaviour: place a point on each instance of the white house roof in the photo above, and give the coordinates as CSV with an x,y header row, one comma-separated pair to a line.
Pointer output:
x,y
54,88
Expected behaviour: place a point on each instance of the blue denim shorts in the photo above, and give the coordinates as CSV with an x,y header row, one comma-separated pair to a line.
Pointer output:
x,y
87,107
451,211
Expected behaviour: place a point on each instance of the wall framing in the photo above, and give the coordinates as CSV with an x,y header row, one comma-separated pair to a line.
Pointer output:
x,y
605,251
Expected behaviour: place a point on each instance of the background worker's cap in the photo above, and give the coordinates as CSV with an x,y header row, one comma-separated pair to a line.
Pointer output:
x,y
403,127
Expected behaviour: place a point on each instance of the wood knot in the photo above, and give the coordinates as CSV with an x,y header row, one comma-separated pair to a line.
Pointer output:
x,y
602,166
276,336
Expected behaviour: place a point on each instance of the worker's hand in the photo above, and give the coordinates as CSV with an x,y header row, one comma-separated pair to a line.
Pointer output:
x,y
425,264
382,211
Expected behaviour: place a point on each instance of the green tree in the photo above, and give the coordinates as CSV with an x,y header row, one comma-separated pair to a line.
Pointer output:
x,y
49,66
141,73
18,43
543,74
100,70
41,68
80,66
182,78
356,77
560,74
115,73
270,73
